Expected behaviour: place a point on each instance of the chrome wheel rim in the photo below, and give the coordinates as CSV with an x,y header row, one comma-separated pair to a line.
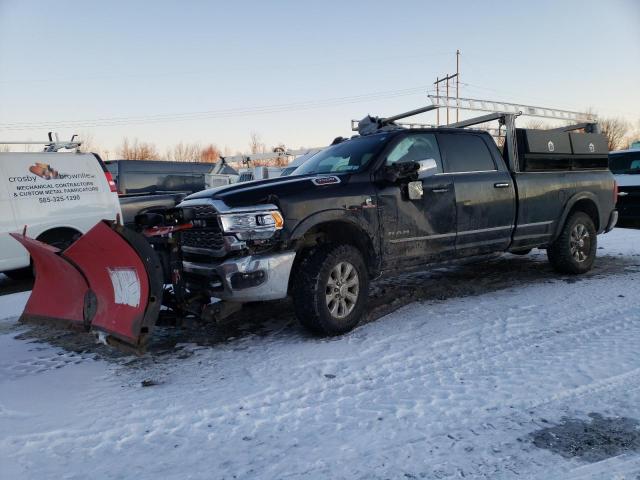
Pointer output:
x,y
580,243
343,287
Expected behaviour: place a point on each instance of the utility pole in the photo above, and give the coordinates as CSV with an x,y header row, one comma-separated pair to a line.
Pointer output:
x,y
437,84
446,79
457,85
438,94
448,97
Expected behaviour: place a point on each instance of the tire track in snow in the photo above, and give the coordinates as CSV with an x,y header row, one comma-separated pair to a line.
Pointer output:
x,y
301,402
395,365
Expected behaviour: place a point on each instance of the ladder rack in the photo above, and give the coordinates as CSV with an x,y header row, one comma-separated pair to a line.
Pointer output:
x,y
284,153
506,107
52,145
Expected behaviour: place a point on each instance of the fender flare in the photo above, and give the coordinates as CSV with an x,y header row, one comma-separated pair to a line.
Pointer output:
x,y
570,204
338,215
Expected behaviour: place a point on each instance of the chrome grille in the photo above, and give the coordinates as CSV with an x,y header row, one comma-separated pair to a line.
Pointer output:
x,y
210,238
203,211
206,232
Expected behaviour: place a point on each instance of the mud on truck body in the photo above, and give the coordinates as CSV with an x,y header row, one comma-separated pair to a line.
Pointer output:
x,y
389,199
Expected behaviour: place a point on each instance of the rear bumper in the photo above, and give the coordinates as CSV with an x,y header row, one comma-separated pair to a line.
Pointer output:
x,y
246,279
613,219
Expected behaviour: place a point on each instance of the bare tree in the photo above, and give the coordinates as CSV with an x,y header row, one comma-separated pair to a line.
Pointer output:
x,y
136,150
89,144
210,154
184,152
633,135
615,129
255,143
537,124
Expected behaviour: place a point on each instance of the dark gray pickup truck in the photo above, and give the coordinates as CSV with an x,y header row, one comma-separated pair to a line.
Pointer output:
x,y
388,200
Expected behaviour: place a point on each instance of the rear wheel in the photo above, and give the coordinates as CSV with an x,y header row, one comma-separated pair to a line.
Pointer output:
x,y
331,289
574,251
21,274
61,238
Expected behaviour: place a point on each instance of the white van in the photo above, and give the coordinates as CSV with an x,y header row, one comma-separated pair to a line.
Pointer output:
x,y
57,196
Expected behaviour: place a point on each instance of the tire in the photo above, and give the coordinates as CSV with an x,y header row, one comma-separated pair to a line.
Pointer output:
x,y
331,289
60,240
574,251
25,273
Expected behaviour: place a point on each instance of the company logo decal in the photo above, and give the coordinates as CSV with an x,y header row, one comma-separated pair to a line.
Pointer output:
x,y
592,148
329,180
48,185
551,146
44,170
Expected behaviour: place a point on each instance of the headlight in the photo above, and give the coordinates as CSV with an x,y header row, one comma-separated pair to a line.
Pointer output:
x,y
252,225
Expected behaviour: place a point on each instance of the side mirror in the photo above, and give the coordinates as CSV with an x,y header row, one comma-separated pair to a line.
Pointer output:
x,y
414,190
427,168
398,172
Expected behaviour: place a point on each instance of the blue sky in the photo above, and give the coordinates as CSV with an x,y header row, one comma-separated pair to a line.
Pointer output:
x,y
143,69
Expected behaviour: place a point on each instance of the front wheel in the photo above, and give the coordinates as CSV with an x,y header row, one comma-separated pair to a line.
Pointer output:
x,y
574,251
331,288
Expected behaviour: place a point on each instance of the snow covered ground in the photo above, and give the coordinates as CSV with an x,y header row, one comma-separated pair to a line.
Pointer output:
x,y
452,385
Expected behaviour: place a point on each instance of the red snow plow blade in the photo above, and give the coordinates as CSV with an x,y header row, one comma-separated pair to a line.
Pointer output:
x,y
109,280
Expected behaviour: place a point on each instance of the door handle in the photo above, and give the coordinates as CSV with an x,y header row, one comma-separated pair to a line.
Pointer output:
x,y
500,185
439,190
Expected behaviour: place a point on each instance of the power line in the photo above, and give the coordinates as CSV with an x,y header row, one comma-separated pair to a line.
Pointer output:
x,y
281,67
209,114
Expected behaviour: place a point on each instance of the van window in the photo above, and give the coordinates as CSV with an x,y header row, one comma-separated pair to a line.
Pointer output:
x,y
465,153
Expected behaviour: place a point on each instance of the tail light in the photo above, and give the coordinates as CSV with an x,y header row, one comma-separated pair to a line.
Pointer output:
x,y
112,184
615,192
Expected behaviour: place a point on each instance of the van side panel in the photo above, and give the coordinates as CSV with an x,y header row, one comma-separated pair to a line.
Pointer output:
x,y
12,254
51,190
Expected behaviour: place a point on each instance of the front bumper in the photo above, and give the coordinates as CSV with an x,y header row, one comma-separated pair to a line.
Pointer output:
x,y
613,219
246,279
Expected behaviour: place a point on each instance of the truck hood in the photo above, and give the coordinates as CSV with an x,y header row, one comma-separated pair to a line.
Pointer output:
x,y
266,191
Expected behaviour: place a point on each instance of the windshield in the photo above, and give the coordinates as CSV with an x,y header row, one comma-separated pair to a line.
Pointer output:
x,y
628,162
349,156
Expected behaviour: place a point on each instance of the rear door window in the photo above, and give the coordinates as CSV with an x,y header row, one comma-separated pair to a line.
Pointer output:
x,y
465,153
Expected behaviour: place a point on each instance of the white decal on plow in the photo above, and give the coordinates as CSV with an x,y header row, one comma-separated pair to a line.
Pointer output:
x,y
126,286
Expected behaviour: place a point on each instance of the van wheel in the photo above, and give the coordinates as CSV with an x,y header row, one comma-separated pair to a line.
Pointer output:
x,y
574,251
60,239
25,273
331,289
